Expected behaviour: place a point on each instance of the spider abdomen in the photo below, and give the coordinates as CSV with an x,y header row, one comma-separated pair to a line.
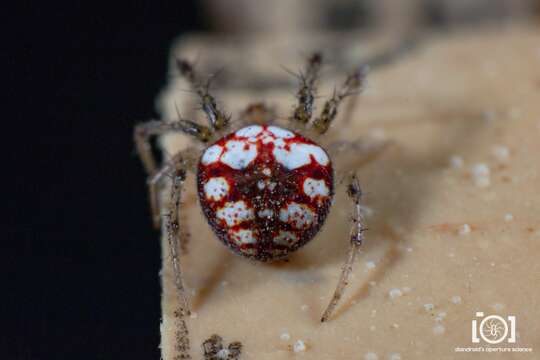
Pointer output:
x,y
265,190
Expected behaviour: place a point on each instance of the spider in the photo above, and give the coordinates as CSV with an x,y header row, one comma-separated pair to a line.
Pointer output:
x,y
265,189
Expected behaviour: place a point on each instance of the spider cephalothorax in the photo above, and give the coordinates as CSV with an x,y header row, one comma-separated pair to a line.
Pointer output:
x,y
265,190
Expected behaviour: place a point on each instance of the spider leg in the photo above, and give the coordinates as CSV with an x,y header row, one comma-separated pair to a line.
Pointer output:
x,y
177,172
306,93
172,226
213,346
352,86
142,135
187,159
356,239
217,119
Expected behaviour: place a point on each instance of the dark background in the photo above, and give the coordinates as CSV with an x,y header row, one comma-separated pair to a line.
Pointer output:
x,y
84,273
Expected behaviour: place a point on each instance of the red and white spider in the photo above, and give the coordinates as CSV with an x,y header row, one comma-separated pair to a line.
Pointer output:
x,y
265,190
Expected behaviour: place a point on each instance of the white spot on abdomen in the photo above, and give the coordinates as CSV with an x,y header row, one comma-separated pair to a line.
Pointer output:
x,y
243,236
238,154
266,213
211,155
280,133
233,213
299,155
216,188
286,238
314,188
249,131
298,215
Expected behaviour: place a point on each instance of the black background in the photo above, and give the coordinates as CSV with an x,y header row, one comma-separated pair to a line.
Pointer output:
x,y
85,264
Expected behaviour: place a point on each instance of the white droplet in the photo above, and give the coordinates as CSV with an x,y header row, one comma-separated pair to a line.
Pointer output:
x,y
456,161
429,307
370,265
464,229
394,356
501,153
370,356
285,336
456,299
481,175
438,329
508,217
299,346
394,293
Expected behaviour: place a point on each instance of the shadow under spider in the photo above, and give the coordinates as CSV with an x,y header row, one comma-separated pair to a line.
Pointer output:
x,y
462,126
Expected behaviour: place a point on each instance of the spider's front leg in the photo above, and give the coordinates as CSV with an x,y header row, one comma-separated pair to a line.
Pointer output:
x,y
173,229
306,93
216,117
177,170
356,239
352,86
142,134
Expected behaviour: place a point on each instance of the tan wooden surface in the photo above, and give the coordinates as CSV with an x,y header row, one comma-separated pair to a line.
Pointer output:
x,y
463,98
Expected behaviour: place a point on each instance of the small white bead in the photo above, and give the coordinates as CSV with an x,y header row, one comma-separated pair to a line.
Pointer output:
x,y
465,229
438,329
456,162
394,293
299,346
371,356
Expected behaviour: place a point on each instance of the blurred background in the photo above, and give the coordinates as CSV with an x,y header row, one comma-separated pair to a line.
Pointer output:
x,y
386,15
82,255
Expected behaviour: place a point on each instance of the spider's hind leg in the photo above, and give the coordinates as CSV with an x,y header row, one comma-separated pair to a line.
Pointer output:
x,y
356,239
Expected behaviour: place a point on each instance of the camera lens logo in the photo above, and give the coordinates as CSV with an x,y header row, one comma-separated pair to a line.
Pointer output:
x,y
493,329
